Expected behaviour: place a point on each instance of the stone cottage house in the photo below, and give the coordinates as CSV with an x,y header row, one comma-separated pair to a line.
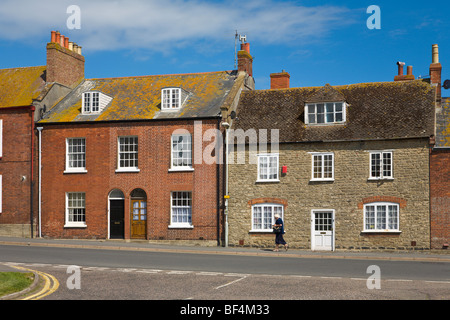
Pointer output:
x,y
347,167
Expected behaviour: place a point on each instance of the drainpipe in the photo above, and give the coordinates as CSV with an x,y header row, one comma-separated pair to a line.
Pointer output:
x,y
39,129
32,109
226,125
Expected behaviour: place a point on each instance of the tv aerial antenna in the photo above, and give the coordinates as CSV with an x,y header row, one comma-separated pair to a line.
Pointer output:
x,y
242,39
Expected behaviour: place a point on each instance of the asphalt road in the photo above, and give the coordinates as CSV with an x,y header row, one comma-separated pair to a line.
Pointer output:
x,y
135,275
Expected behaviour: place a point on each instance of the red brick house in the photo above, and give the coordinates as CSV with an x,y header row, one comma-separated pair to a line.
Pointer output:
x,y
440,163
135,157
24,94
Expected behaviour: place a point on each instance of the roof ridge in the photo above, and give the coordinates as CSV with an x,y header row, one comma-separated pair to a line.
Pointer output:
x,y
160,75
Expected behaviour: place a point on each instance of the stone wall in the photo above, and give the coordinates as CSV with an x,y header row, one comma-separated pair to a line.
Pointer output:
x,y
347,194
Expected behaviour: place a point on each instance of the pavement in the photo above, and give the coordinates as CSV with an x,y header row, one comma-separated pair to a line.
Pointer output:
x,y
144,245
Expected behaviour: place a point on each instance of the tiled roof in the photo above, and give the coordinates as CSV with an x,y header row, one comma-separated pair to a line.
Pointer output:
x,y
383,110
137,98
19,86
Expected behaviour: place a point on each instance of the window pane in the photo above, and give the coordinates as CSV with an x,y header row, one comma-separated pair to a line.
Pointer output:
x,y
181,207
330,112
381,217
370,217
320,113
376,165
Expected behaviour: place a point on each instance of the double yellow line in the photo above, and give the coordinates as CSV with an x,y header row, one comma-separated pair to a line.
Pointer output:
x,y
50,284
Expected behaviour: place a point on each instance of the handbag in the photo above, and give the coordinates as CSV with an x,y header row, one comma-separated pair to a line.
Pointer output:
x,y
276,229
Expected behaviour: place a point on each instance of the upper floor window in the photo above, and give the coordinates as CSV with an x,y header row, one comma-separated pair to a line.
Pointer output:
x,y
381,216
172,98
128,154
94,102
322,167
76,155
181,152
268,167
381,165
325,113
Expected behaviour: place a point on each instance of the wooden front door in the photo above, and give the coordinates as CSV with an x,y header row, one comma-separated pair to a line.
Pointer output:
x,y
138,219
116,219
322,230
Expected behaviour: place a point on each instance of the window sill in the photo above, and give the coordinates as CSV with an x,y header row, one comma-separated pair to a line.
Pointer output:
x,y
185,169
260,231
181,226
380,179
72,225
127,170
381,231
75,171
268,181
320,180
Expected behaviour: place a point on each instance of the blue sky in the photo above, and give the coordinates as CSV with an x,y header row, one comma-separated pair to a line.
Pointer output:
x,y
317,42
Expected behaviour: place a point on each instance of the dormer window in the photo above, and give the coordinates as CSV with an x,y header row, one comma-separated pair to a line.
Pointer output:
x,y
325,113
172,98
94,102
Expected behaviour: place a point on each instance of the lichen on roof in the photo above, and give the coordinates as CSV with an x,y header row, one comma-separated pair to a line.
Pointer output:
x,y
20,86
138,98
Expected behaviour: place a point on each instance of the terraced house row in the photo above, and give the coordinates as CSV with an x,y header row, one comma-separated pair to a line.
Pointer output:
x,y
205,158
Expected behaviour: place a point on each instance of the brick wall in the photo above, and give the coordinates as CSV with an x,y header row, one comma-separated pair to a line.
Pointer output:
x,y
63,65
347,194
15,169
154,178
440,198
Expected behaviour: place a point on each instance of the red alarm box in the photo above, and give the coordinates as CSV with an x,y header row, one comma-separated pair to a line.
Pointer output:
x,y
284,169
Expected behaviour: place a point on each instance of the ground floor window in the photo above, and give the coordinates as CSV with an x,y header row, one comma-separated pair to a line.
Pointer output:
x,y
263,216
181,209
381,216
75,209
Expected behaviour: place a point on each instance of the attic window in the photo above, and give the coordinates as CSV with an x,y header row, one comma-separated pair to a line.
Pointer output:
x,y
325,113
172,98
94,102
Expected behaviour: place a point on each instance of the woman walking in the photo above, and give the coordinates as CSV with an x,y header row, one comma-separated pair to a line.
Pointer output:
x,y
279,233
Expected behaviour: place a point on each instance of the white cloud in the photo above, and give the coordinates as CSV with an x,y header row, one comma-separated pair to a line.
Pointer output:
x,y
162,25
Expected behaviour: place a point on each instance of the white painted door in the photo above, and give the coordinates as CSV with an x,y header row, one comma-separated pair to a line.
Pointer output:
x,y
322,230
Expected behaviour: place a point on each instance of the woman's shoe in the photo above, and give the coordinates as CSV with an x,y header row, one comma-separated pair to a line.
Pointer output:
x,y
286,246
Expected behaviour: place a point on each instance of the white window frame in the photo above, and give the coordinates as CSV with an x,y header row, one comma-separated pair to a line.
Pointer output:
x,y
175,167
382,175
325,114
265,225
121,168
267,157
183,224
167,102
91,102
80,206
322,166
377,225
70,169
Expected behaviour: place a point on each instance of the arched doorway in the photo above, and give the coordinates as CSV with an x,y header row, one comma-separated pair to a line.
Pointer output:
x,y
116,214
138,214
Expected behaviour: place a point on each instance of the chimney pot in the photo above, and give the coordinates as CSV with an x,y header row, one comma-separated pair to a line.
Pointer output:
x,y
66,42
435,53
409,70
62,41
245,47
58,37
53,38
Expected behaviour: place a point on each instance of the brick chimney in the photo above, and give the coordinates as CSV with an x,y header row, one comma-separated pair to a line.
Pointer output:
x,y
401,76
245,60
279,80
436,71
65,64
